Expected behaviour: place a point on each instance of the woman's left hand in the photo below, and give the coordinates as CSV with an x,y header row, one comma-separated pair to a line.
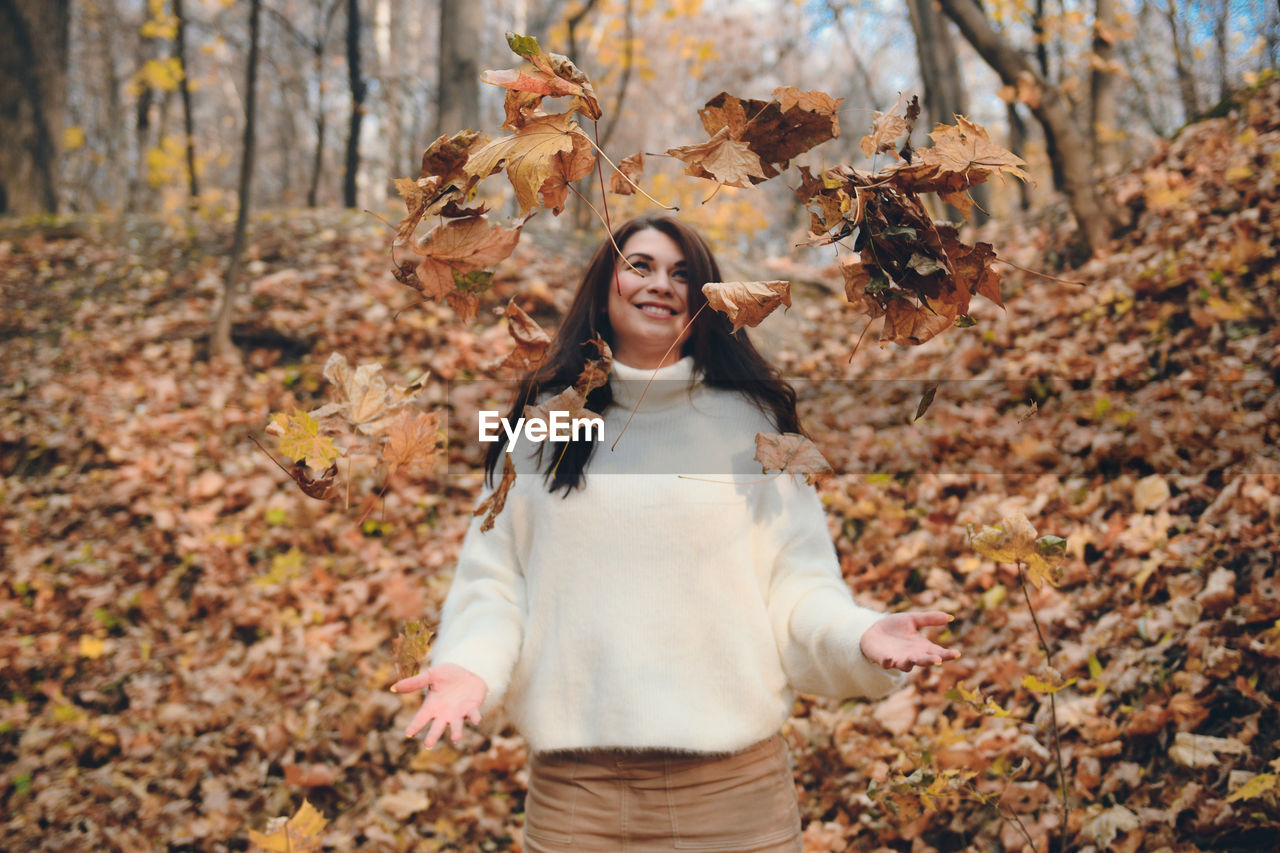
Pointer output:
x,y
895,641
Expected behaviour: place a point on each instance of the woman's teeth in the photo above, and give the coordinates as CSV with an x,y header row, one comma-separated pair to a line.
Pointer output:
x,y
657,311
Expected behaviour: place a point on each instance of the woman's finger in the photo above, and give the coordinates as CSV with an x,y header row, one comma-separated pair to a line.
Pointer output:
x,y
474,716
433,733
412,683
419,720
931,617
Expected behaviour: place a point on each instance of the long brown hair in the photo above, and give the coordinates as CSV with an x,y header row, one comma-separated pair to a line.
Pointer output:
x,y
725,359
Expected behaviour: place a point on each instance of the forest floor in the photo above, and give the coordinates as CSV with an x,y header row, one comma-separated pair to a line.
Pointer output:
x,y
192,646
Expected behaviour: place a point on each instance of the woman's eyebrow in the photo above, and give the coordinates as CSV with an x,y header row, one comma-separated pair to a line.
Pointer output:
x,y
644,257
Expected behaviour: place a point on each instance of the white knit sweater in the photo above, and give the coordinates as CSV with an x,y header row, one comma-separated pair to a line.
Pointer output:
x,y
651,609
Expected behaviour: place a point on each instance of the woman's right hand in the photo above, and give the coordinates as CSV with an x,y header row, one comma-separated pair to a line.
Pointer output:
x,y
453,694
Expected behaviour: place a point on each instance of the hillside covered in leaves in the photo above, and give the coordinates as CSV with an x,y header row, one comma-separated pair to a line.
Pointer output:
x,y
193,646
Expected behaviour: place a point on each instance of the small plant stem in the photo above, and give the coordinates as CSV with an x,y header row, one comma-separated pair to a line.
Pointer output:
x,y
600,170
1053,709
1041,274
608,231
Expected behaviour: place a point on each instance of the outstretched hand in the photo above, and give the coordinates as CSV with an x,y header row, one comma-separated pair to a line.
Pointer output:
x,y
454,694
895,641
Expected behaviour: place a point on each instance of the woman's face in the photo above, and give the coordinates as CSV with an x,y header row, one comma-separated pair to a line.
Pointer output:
x,y
649,305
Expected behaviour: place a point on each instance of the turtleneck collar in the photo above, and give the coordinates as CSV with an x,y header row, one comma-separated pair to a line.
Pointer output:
x,y
670,387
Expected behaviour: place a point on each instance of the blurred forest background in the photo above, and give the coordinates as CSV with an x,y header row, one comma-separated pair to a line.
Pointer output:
x,y
194,198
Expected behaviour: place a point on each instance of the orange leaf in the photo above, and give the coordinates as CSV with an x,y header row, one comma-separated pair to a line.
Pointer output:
x,y
629,167
461,246
790,453
529,155
722,159
492,506
413,442
747,303
531,341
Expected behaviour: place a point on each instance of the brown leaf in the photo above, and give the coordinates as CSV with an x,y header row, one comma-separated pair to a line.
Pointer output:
x,y
553,74
446,157
529,155
309,775
596,371
492,506
629,167
792,454
413,442
722,159
410,647
910,324
322,488
461,246
531,340
885,129
567,167
299,834
747,303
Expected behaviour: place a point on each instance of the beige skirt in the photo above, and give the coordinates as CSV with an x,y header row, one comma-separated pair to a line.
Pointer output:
x,y
627,801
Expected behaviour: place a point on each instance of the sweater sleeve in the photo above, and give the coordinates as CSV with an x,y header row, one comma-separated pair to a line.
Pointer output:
x,y
482,623
816,623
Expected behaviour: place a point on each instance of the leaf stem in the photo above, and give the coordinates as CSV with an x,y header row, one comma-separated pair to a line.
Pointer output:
x,y
1041,274
1053,710
640,190
655,373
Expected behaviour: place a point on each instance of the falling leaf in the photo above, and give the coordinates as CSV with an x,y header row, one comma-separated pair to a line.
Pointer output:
x,y
624,178
301,441
747,303
596,371
299,834
722,159
530,156
790,453
322,488
886,127
553,74
410,648
458,248
413,442
568,166
926,401
364,397
531,340
492,506
446,157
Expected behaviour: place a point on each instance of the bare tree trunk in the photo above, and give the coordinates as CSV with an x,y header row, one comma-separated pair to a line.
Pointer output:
x,y
1018,145
221,346
1050,109
34,38
1222,10
1102,86
458,71
628,61
317,159
359,88
188,120
944,94
1186,80
580,213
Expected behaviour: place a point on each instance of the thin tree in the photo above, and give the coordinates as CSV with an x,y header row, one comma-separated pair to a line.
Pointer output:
x,y
1053,113
458,70
184,87
1181,64
359,88
221,345
1102,86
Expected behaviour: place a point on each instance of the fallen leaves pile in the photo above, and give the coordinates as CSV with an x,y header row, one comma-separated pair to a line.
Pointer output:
x,y
193,646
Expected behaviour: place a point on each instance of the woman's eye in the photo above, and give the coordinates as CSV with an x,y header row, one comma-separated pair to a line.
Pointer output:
x,y
680,275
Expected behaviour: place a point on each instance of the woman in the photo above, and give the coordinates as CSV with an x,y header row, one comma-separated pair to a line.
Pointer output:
x,y
645,611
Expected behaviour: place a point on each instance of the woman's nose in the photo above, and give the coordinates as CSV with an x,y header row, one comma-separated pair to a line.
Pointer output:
x,y
659,283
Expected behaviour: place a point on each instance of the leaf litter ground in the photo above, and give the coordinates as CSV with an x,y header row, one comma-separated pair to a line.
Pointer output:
x,y
193,646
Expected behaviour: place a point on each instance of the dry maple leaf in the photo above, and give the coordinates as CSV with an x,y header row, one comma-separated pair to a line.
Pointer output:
x,y
907,323
567,167
1014,540
457,248
365,398
596,371
413,442
410,647
554,75
301,441
531,340
298,834
747,303
529,156
446,157
790,453
624,178
722,159
493,505
885,129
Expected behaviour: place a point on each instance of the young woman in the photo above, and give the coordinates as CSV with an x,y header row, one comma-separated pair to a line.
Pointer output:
x,y
645,612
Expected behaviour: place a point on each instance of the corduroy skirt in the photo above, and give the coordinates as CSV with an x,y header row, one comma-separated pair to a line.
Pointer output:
x,y
627,801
